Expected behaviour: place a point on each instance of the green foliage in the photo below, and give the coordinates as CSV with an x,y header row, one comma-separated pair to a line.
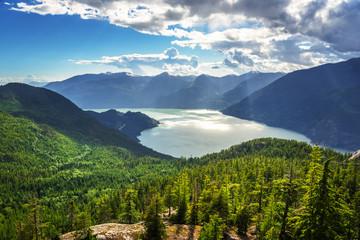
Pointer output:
x,y
320,216
155,229
82,224
181,195
242,220
130,214
213,230
77,185
89,235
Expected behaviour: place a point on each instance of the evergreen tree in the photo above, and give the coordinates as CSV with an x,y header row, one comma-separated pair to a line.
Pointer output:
x,y
168,198
31,228
320,216
270,226
242,220
213,230
129,213
181,195
103,210
220,203
72,212
82,224
155,229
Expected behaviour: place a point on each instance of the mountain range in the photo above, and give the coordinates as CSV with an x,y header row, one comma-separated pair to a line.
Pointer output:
x,y
322,102
118,90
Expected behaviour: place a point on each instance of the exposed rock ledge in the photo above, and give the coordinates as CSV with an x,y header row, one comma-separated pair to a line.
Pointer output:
x,y
355,155
115,231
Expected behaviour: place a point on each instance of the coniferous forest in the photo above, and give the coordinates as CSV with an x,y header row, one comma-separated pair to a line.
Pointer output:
x,y
281,189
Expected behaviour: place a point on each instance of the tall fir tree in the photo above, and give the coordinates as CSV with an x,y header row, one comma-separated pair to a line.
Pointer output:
x,y
155,229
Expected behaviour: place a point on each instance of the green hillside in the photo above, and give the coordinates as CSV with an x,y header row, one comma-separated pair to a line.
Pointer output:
x,y
247,185
46,107
37,160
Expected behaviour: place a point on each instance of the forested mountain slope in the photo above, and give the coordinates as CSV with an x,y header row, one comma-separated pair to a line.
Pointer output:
x,y
323,103
36,160
47,107
77,185
130,123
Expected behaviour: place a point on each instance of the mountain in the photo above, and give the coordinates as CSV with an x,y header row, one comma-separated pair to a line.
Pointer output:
x,y
249,86
322,102
47,107
117,90
130,123
111,90
204,92
161,85
37,84
38,161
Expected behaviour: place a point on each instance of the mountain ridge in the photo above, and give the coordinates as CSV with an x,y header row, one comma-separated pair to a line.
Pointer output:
x,y
320,102
47,107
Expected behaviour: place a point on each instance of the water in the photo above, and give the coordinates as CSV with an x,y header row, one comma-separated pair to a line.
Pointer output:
x,y
187,133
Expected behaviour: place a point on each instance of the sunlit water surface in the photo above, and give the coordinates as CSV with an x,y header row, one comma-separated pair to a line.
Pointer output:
x,y
184,132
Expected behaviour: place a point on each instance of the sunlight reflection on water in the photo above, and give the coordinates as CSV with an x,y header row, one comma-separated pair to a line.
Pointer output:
x,y
196,132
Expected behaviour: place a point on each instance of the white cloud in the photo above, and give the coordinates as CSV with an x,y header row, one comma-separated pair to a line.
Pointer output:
x,y
267,32
169,59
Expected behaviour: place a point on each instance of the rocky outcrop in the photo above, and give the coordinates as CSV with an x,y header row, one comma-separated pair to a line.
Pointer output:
x,y
115,231
112,231
355,155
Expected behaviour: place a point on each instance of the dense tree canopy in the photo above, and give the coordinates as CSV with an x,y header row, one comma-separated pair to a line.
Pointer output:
x,y
51,184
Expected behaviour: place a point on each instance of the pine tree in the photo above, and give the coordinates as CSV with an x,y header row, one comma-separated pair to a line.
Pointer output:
x,y
213,230
31,228
155,229
72,212
103,210
181,195
168,199
242,220
82,224
320,215
129,213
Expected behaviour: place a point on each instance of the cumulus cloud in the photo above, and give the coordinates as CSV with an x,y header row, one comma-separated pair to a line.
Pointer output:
x,y
250,32
169,59
241,58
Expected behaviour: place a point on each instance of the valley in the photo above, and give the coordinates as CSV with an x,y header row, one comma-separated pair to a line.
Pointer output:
x,y
179,120
196,132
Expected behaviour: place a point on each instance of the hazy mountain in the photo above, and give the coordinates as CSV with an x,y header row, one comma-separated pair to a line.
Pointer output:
x,y
130,123
47,107
204,92
161,85
322,102
118,90
249,86
113,90
37,84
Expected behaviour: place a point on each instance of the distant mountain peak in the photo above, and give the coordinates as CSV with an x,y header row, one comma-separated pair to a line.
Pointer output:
x,y
164,74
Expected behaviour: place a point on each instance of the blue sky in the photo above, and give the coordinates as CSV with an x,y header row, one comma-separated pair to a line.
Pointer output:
x,y
48,40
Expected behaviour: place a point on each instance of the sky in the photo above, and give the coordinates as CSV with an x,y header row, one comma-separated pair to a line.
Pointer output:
x,y
48,40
